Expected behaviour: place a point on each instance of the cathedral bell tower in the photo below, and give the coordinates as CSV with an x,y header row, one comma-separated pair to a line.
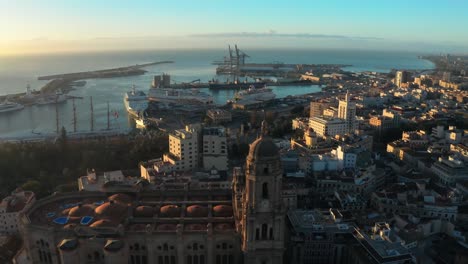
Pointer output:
x,y
263,218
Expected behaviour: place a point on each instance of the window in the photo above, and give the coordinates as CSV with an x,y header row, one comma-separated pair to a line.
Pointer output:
x,y
264,231
265,190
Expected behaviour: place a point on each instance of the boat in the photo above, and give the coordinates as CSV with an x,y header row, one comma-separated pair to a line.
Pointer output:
x,y
8,106
254,94
235,85
135,102
56,98
168,96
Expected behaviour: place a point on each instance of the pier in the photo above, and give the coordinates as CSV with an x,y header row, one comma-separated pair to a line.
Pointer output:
x,y
107,73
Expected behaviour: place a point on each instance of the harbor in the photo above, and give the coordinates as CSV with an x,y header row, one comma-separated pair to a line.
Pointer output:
x,y
191,70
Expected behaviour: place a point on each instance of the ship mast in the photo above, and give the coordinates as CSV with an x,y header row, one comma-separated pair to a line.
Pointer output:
x,y
56,119
108,118
74,115
92,113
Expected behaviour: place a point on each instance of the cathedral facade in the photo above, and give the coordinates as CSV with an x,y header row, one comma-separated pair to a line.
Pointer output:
x,y
236,222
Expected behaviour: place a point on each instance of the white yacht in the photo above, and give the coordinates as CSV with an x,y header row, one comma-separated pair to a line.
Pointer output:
x,y
135,102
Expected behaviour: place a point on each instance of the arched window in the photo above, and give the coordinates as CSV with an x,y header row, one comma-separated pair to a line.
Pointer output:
x,y
271,233
264,231
257,234
265,190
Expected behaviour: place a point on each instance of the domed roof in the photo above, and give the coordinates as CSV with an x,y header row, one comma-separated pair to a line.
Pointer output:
x,y
81,210
121,198
103,223
222,210
143,211
170,211
111,210
263,147
197,211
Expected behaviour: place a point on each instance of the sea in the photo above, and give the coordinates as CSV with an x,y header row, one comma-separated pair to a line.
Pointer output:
x,y
16,72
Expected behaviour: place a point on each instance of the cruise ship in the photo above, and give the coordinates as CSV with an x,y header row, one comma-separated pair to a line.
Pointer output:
x,y
167,96
7,106
135,102
254,94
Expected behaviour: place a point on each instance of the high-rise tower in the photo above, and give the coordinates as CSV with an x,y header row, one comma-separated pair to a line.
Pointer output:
x,y
347,111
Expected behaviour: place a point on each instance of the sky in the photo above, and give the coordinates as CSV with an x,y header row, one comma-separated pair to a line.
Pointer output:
x,y
37,26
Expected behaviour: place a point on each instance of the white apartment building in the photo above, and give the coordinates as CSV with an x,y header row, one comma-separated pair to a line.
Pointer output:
x,y
327,126
183,149
12,207
215,148
346,158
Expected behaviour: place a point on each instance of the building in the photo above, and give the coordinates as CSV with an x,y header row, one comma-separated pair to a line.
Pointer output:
x,y
316,237
11,209
94,182
326,126
450,170
387,120
323,237
317,108
183,149
215,154
300,123
412,199
446,76
219,116
177,222
259,209
402,77
347,112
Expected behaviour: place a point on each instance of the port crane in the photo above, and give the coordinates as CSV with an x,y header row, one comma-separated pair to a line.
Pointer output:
x,y
232,64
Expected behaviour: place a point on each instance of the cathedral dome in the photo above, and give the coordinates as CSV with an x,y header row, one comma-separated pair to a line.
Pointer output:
x,y
121,198
81,210
170,211
111,210
197,211
263,147
222,211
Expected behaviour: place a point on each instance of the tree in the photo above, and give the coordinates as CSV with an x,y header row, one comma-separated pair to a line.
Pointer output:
x,y
33,186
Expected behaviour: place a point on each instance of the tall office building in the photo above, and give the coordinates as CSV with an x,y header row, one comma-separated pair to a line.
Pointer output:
x,y
402,77
347,112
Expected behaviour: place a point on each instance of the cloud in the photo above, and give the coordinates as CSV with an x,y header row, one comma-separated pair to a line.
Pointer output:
x,y
272,33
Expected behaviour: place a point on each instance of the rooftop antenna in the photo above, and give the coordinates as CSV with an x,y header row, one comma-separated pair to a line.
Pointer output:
x,y
92,113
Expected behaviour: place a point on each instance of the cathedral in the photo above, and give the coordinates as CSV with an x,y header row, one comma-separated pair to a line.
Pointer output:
x,y
236,222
